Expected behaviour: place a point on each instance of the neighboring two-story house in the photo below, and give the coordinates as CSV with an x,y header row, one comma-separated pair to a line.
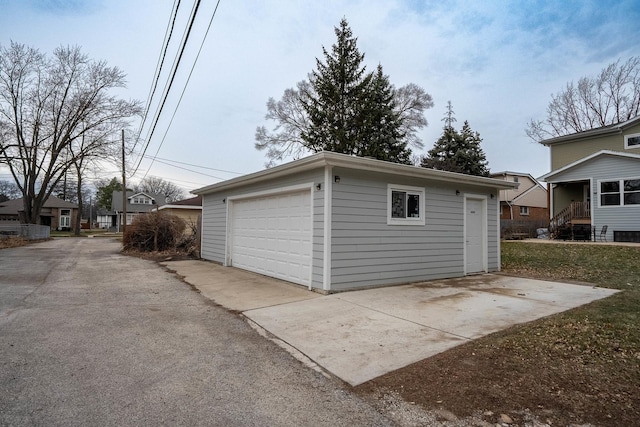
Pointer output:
x,y
527,202
137,203
595,182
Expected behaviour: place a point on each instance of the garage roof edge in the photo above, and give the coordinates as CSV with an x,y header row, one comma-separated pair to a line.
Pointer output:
x,y
327,158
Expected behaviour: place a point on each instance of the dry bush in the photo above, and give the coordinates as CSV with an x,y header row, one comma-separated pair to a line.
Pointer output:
x,y
154,231
13,242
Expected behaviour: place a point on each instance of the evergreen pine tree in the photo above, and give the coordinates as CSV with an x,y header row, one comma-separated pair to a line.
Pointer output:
x,y
340,85
352,111
382,133
457,151
470,155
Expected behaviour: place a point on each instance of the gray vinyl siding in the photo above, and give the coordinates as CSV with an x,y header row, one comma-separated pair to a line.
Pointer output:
x,y
214,218
366,251
493,234
620,218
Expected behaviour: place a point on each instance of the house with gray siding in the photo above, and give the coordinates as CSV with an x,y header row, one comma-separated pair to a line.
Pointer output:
x,y
596,183
334,222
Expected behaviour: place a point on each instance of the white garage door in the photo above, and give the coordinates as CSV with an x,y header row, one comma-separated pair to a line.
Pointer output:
x,y
271,235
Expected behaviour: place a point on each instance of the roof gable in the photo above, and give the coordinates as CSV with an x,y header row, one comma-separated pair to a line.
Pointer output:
x,y
116,201
580,162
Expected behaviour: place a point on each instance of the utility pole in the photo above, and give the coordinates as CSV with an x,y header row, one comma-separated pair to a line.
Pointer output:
x,y
124,190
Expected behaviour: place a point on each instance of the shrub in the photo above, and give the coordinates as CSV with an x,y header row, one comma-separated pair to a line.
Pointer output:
x,y
154,231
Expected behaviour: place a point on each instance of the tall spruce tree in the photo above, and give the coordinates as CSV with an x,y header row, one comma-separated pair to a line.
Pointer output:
x,y
341,87
345,109
382,132
457,151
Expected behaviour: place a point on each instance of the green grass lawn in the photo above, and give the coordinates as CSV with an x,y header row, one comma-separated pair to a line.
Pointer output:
x,y
594,348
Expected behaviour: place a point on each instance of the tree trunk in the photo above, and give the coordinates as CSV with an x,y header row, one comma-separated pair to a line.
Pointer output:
x,y
76,226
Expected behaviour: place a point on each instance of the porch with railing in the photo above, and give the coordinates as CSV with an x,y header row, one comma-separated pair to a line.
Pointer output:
x,y
573,222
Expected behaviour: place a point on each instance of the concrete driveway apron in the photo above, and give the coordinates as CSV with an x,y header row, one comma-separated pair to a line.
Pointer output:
x,y
361,335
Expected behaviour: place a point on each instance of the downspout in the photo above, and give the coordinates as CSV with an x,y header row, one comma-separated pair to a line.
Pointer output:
x,y
510,209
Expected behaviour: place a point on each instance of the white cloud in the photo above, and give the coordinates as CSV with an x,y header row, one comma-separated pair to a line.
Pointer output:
x,y
498,62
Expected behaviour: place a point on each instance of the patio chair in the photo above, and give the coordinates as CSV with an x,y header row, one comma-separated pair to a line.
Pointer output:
x,y
603,233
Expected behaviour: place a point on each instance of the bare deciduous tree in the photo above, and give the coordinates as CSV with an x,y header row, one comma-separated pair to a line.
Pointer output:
x,y
47,105
291,120
613,96
8,191
157,185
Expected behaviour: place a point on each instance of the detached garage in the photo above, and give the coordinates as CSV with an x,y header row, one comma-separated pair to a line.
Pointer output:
x,y
334,222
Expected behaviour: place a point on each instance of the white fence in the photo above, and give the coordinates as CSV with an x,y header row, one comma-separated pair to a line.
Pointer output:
x,y
28,231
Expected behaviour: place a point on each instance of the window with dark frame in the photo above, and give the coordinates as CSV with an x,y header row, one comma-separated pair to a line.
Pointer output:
x,y
632,141
398,204
610,193
631,190
405,204
623,192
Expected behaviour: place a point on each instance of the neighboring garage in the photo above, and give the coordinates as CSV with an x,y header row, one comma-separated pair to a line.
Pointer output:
x,y
334,222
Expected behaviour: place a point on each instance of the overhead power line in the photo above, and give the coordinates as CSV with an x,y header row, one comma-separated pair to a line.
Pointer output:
x,y
204,38
163,53
186,169
196,166
167,89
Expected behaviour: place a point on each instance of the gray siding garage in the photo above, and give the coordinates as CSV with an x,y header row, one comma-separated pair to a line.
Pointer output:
x,y
334,222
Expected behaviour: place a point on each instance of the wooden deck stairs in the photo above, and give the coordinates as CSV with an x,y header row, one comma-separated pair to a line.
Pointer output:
x,y
573,222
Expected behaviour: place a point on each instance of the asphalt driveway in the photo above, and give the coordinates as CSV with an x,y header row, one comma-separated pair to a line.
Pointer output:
x,y
361,335
89,337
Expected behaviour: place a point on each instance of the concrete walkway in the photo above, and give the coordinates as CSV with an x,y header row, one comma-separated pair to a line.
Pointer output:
x,y
361,335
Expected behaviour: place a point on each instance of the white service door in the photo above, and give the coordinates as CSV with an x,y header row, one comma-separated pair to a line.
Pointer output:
x,y
474,236
271,235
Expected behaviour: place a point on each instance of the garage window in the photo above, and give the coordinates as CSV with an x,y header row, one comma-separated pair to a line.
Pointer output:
x,y
405,205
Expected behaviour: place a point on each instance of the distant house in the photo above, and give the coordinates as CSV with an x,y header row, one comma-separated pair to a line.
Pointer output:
x,y
137,203
56,213
595,182
527,202
187,209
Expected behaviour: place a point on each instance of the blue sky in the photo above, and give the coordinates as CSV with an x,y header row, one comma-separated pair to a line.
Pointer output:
x,y
498,62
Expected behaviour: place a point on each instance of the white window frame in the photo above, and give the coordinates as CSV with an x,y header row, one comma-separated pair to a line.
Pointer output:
x,y
621,192
524,210
626,141
419,191
141,200
130,217
65,220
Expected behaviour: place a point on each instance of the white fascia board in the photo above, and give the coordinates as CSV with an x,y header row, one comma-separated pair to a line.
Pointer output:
x,y
551,174
588,134
326,158
179,207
